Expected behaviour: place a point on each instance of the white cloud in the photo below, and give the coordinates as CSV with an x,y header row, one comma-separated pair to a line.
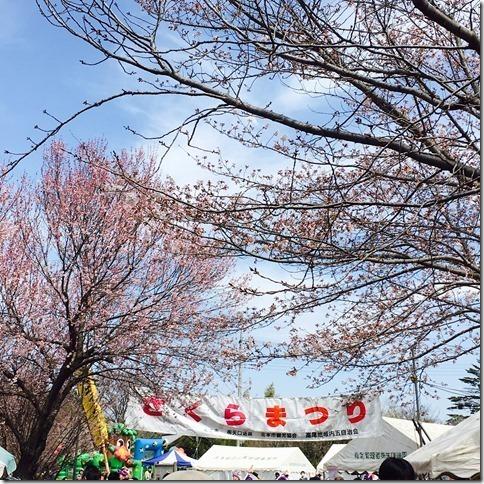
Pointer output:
x,y
299,94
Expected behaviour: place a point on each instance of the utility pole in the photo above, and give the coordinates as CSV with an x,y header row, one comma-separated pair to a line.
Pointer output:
x,y
414,379
197,445
239,379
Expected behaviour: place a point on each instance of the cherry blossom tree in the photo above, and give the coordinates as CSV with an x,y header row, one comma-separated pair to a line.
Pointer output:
x,y
89,285
406,74
68,434
373,207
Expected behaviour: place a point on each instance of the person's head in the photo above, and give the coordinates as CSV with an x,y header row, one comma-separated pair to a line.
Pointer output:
x,y
113,476
277,474
303,473
91,473
124,474
395,469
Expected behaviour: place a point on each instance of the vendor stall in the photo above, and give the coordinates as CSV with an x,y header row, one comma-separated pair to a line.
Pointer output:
x,y
399,439
455,453
172,460
332,451
220,461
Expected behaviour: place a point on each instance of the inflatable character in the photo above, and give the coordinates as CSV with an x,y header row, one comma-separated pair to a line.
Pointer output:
x,y
124,450
121,440
148,448
67,465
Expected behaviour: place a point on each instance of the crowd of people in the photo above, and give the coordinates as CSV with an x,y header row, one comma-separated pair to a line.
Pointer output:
x,y
391,469
92,473
278,476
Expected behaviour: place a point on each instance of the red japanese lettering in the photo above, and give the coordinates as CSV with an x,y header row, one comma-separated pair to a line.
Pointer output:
x,y
233,416
153,406
275,415
358,407
321,419
190,411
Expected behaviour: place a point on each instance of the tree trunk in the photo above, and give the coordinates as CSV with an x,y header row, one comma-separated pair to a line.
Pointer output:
x,y
34,446
29,462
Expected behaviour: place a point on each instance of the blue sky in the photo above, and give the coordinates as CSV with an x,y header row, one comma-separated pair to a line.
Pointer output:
x,y
41,70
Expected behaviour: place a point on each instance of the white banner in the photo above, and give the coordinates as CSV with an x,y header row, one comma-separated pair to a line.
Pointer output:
x,y
294,419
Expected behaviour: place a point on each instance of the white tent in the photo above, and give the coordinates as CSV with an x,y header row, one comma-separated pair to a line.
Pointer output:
x,y
7,462
399,439
456,451
190,475
332,451
330,472
169,439
220,461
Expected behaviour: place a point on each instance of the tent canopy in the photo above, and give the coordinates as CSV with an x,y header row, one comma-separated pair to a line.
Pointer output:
x,y
407,428
169,439
190,475
399,439
332,451
457,451
7,462
229,458
173,456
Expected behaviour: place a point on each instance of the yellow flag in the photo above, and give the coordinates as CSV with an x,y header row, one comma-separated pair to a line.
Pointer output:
x,y
93,411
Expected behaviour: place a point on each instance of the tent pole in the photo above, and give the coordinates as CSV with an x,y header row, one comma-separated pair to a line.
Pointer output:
x,y
239,379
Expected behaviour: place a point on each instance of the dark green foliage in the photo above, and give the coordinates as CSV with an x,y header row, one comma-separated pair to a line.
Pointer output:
x,y
470,402
270,391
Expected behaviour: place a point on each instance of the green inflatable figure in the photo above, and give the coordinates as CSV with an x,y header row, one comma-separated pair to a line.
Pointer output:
x,y
138,471
120,453
67,466
121,441
64,464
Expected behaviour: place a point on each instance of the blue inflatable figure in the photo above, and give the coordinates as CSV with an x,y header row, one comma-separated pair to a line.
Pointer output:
x,y
148,448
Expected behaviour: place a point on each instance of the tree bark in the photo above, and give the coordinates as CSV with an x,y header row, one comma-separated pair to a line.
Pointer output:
x,y
34,447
